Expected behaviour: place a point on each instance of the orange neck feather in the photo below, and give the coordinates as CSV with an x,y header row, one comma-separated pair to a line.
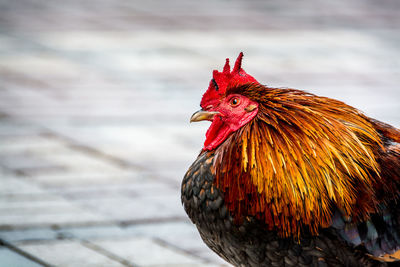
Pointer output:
x,y
297,159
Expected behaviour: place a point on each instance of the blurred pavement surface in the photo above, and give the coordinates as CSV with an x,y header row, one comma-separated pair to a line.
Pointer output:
x,y
95,100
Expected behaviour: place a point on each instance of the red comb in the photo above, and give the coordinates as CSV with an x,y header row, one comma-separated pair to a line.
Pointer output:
x,y
222,80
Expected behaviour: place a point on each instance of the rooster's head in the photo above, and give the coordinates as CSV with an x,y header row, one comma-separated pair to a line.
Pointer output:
x,y
227,110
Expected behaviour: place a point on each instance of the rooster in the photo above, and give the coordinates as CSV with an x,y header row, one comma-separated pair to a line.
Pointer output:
x,y
289,178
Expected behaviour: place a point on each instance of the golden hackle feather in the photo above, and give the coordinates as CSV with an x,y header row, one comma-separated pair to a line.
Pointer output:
x,y
300,156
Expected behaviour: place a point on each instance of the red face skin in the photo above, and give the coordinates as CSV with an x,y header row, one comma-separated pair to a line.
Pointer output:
x,y
234,111
226,112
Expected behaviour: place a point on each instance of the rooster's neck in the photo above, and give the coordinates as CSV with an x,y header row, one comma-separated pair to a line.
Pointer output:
x,y
296,160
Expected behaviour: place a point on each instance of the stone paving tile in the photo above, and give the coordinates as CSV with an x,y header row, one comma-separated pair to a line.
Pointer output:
x,y
184,238
34,219
90,232
10,185
54,253
204,15
11,259
181,235
23,163
26,144
14,129
51,162
30,235
24,204
146,252
145,146
132,189
61,179
124,208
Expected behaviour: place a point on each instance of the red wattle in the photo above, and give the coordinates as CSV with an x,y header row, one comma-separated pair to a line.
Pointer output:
x,y
216,134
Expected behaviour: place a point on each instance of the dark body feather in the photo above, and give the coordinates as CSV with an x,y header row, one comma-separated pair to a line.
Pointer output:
x,y
250,243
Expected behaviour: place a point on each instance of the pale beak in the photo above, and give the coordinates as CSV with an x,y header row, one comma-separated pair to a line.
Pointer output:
x,y
203,115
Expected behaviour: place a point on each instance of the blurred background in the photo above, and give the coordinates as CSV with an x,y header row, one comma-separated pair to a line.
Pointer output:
x,y
95,101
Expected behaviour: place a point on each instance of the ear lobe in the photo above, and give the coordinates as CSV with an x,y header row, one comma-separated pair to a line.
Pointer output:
x,y
250,107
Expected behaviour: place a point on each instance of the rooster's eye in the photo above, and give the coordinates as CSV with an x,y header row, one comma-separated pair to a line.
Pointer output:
x,y
235,101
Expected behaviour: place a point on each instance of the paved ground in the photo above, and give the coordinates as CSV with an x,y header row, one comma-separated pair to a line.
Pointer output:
x,y
95,98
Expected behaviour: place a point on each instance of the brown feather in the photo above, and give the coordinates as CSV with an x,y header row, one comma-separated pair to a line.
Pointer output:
x,y
300,156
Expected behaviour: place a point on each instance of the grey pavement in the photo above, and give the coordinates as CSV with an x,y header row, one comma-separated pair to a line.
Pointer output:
x,y
95,99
